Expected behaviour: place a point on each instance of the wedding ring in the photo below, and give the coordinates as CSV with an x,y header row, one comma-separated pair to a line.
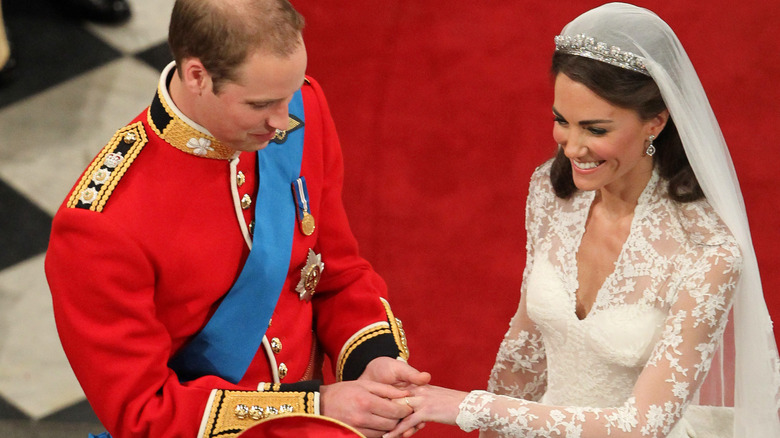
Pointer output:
x,y
406,399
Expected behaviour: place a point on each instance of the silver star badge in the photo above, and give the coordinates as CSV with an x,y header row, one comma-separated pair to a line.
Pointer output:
x,y
310,275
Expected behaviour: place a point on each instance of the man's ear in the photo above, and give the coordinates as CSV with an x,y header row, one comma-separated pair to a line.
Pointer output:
x,y
194,76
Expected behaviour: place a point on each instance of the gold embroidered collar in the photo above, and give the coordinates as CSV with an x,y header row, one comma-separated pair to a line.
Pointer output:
x,y
180,133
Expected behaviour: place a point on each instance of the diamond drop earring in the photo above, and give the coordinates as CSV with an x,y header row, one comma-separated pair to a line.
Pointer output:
x,y
650,148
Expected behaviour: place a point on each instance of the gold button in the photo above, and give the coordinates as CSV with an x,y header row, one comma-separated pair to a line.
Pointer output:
x,y
282,371
246,201
276,345
252,227
240,178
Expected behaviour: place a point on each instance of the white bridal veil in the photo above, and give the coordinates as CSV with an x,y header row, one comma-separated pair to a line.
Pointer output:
x,y
746,372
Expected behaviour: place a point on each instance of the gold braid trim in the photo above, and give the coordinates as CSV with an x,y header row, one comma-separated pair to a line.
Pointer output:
x,y
310,401
398,331
234,411
271,387
370,333
108,168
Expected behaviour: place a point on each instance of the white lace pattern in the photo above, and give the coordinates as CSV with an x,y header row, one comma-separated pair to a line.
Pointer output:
x,y
633,364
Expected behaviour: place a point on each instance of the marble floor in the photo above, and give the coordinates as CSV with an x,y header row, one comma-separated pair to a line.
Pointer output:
x,y
74,85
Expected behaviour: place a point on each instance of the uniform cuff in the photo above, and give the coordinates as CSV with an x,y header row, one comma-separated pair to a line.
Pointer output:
x,y
386,338
228,413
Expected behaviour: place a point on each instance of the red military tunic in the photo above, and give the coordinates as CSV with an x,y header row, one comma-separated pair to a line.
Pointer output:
x,y
140,258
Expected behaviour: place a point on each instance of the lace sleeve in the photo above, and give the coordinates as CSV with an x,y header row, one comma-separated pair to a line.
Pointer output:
x,y
520,367
679,362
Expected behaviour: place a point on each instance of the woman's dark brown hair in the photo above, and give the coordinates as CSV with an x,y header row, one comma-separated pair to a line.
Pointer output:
x,y
634,91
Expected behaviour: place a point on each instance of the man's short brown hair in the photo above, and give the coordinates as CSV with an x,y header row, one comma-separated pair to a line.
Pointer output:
x,y
223,33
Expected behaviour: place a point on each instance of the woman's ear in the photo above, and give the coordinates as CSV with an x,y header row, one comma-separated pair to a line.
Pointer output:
x,y
657,123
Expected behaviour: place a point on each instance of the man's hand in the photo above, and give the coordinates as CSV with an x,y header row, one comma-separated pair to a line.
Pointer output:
x,y
394,372
399,374
365,405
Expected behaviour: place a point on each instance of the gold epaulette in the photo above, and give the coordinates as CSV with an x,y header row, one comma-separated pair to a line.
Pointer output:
x,y
103,175
231,412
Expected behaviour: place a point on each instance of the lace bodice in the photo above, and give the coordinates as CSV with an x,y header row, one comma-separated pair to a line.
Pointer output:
x,y
632,365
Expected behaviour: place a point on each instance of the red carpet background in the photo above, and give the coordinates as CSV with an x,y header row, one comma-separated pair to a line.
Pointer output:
x,y
443,110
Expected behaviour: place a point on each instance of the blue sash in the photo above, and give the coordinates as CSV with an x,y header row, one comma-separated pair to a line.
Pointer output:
x,y
227,344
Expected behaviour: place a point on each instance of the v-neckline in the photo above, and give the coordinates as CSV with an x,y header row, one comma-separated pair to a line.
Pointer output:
x,y
574,273
600,290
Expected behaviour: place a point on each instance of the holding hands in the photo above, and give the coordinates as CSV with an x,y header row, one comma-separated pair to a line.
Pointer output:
x,y
371,403
390,399
428,403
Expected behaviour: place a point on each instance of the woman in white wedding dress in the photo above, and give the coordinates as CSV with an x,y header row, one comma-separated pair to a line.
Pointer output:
x,y
638,251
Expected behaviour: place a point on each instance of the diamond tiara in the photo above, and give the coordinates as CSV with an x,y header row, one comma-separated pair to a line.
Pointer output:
x,y
582,45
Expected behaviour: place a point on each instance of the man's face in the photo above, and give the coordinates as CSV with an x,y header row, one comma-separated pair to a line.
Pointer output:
x,y
245,114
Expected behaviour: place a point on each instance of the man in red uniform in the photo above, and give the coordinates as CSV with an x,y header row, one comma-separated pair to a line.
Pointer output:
x,y
203,262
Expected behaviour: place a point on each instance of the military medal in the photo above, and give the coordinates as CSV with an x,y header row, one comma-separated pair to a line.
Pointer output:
x,y
310,275
305,218
307,224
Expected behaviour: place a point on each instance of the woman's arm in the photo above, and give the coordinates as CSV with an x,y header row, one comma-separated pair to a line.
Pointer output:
x,y
675,370
520,367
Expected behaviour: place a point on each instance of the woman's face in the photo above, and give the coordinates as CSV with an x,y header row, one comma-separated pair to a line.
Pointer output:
x,y
606,144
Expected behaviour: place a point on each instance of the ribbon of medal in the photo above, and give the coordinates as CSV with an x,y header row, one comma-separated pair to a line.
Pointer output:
x,y
305,219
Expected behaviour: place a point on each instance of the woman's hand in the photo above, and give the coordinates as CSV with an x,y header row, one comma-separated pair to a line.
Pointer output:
x,y
430,403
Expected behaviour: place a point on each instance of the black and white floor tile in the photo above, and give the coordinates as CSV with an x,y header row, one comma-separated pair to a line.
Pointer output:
x,y
74,85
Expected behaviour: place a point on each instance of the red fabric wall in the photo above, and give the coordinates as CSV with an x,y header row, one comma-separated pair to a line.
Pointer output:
x,y
443,108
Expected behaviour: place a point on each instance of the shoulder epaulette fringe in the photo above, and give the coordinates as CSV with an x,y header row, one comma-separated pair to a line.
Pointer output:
x,y
103,175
